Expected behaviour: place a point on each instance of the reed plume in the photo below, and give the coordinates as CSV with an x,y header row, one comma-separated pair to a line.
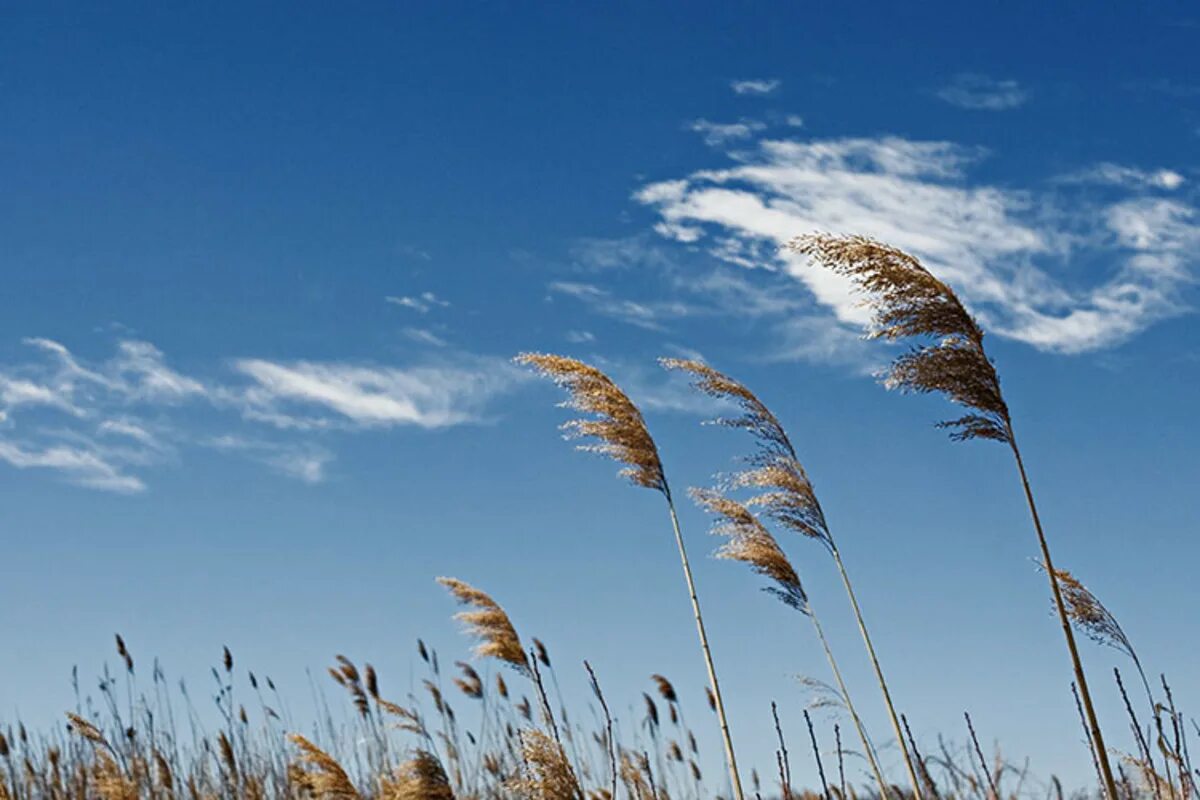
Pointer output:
x,y
617,426
490,624
547,774
326,778
748,541
782,489
419,778
617,429
908,302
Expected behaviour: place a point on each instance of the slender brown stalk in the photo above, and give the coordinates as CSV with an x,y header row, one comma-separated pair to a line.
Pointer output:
x,y
909,302
617,426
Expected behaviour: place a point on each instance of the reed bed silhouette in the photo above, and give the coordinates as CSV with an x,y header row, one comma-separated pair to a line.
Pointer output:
x,y
515,739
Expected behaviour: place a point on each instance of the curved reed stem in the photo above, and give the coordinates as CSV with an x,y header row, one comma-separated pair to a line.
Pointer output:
x,y
727,740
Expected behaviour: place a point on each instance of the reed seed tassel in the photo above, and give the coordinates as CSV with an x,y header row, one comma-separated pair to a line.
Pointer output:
x,y
617,427
909,302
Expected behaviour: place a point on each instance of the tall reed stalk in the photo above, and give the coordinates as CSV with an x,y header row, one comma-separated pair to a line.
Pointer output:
x,y
788,496
909,302
749,542
621,434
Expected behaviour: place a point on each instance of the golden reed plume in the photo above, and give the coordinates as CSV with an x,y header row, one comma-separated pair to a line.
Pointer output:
x,y
327,778
419,778
546,773
749,542
909,302
623,436
786,494
490,624
618,425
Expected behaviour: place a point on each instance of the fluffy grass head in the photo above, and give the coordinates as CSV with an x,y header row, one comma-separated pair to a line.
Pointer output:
x,y
782,487
490,624
749,542
616,426
910,303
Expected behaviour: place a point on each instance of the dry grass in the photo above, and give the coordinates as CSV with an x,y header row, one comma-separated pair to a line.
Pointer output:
x,y
143,742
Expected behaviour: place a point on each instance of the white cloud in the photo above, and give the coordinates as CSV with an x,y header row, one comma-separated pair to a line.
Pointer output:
x,y
84,467
1129,177
992,244
422,304
649,315
580,337
302,462
424,336
757,86
794,121
981,93
717,134
427,397
103,435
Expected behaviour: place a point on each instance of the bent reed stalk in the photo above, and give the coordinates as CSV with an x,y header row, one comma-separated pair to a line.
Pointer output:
x,y
621,433
908,302
789,498
749,542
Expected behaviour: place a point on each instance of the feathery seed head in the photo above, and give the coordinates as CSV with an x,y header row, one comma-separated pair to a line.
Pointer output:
x,y
328,780
420,778
547,774
1089,615
490,624
665,689
908,301
617,424
751,543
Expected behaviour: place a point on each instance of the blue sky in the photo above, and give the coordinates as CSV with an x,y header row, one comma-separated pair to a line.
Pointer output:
x,y
264,268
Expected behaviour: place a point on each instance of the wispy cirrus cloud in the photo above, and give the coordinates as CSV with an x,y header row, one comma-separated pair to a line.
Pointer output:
x,y
717,134
999,246
372,396
755,86
81,465
422,303
650,315
1125,176
981,93
90,423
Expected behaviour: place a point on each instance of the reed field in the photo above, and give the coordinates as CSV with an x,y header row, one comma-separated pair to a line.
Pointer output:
x,y
507,733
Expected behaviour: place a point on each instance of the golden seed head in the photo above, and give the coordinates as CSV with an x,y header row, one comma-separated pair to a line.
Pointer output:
x,y
748,541
490,624
617,424
908,301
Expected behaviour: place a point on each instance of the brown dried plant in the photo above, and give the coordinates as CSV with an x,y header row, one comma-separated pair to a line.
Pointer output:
x,y
617,424
908,302
619,427
419,778
748,541
326,776
490,624
546,772
783,490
